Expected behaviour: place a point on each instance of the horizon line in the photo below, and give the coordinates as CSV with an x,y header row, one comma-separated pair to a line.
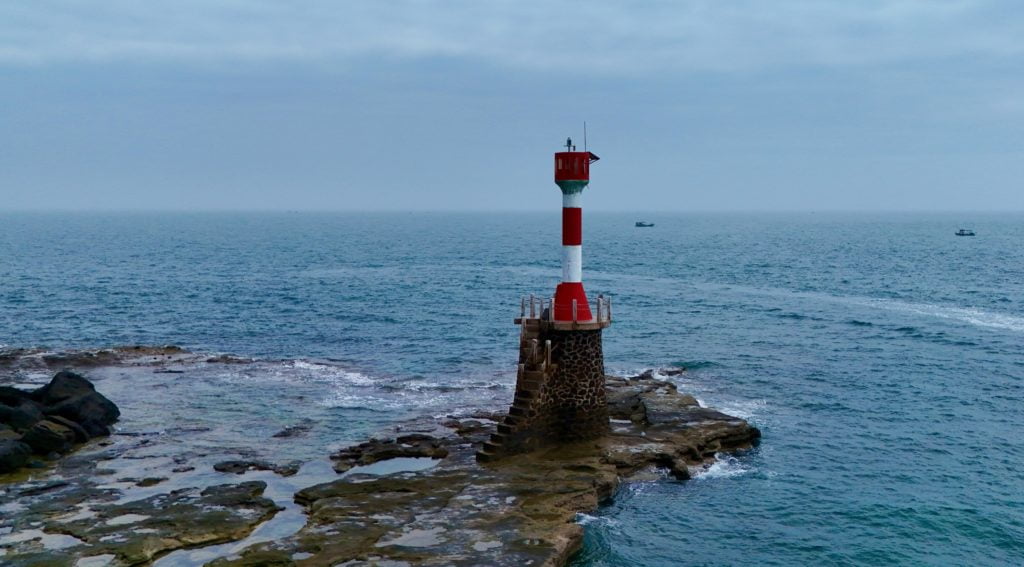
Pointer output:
x,y
516,210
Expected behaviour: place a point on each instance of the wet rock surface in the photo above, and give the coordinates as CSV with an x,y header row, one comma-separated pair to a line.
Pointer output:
x,y
134,533
514,511
242,467
20,358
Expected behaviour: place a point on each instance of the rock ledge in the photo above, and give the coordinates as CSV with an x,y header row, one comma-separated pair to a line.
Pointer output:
x,y
516,511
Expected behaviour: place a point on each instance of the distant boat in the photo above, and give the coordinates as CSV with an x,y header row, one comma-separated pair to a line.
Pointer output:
x,y
642,224
965,232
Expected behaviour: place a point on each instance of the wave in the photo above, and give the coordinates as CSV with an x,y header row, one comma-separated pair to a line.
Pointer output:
x,y
432,386
587,519
372,404
725,466
332,373
748,410
695,364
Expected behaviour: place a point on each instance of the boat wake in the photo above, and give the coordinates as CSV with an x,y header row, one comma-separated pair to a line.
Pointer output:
x,y
976,317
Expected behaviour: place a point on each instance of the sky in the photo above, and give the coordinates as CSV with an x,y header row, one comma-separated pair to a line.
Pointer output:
x,y
692,105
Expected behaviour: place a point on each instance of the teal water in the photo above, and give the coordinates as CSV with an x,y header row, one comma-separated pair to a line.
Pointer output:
x,y
882,357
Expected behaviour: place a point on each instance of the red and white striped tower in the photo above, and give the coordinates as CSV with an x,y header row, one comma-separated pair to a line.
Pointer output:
x,y
560,382
572,174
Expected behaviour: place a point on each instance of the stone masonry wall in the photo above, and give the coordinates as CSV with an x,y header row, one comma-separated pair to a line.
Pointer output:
x,y
557,402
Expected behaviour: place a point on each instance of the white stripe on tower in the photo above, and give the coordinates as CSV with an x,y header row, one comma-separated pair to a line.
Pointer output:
x,y
572,263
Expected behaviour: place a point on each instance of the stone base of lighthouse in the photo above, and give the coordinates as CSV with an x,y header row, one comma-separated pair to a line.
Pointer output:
x,y
560,389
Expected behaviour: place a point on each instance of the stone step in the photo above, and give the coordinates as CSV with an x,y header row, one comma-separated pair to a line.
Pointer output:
x,y
498,439
522,407
525,395
517,410
533,374
505,428
528,385
485,457
492,447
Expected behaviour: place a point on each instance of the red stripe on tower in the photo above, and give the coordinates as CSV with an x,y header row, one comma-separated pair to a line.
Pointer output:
x,y
572,226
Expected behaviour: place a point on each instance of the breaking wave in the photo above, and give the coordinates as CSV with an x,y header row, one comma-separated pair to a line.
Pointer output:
x,y
725,466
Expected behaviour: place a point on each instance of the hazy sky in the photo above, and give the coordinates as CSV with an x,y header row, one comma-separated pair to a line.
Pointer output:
x,y
412,105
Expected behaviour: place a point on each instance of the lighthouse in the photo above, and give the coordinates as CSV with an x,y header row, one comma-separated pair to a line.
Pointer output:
x,y
560,395
572,175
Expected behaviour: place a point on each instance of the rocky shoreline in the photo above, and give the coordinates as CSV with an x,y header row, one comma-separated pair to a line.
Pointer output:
x,y
412,495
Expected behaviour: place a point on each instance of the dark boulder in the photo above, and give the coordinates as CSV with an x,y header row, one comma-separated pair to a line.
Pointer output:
x,y
6,433
13,396
71,396
48,437
81,435
13,455
93,412
64,386
21,414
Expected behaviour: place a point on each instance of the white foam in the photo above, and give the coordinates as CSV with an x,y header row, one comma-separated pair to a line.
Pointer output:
x,y
725,466
742,409
353,401
333,373
586,519
970,315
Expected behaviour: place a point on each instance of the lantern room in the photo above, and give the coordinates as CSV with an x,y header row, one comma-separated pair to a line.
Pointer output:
x,y
572,166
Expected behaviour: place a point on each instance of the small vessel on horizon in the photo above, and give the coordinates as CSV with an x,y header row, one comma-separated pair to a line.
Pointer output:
x,y
965,232
642,224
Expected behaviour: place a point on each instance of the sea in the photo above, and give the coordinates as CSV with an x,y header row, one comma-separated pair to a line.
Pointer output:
x,y
881,356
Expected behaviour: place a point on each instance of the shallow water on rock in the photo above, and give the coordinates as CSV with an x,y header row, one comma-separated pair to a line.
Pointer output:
x,y
393,466
286,522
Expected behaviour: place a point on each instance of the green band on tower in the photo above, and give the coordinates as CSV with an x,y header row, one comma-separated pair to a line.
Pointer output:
x,y
571,187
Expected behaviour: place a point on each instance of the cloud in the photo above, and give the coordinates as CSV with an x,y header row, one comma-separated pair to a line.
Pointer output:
x,y
562,37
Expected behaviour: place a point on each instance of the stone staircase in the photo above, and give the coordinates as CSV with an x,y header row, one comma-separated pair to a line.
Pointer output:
x,y
534,368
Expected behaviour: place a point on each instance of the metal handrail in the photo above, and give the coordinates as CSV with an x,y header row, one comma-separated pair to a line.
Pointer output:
x,y
537,307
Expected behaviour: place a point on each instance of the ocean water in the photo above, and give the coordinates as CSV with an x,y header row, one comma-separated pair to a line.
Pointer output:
x,y
882,356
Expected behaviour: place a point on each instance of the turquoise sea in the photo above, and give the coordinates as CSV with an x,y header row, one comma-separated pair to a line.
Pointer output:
x,y
881,356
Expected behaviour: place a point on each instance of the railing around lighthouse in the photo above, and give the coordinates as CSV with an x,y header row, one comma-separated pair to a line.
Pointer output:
x,y
543,309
